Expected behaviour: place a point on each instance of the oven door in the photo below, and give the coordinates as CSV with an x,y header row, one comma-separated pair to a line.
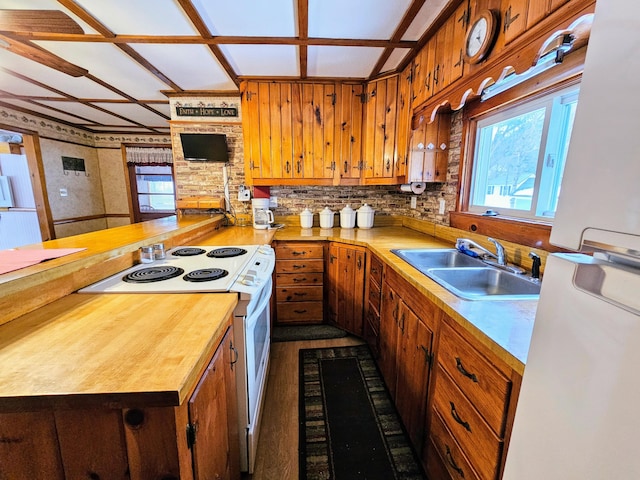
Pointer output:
x,y
253,332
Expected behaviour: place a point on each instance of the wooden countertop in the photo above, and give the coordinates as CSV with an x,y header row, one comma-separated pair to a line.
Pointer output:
x,y
110,349
504,327
106,252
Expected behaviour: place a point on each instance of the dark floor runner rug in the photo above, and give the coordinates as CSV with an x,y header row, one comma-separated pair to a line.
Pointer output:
x,y
305,332
349,428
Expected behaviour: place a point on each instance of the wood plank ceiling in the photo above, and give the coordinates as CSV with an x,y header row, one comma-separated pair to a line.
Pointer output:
x,y
110,66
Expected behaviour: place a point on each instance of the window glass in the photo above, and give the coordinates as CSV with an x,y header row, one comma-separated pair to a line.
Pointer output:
x,y
155,188
520,155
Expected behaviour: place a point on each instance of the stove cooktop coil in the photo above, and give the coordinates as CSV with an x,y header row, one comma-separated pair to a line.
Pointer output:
x,y
226,252
205,275
188,252
153,274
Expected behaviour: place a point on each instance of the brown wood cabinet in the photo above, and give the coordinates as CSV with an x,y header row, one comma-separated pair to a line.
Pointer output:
x,y
299,282
514,18
373,297
473,404
428,158
196,440
345,287
406,350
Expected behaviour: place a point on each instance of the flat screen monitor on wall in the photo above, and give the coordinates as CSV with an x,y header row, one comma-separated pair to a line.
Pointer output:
x,y
205,147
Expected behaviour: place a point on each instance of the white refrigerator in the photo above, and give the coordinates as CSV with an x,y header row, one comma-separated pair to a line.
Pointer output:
x,y
578,414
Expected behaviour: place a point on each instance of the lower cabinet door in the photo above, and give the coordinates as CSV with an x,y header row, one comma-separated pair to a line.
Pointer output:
x,y
444,458
300,312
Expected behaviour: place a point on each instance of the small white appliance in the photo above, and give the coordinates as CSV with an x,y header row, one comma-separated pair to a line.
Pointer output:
x,y
262,216
577,415
244,269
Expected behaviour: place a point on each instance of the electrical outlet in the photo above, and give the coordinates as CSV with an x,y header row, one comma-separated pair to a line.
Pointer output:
x,y
273,202
63,192
414,201
244,194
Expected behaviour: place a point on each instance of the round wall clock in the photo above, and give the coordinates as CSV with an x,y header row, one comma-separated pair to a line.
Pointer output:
x,y
480,36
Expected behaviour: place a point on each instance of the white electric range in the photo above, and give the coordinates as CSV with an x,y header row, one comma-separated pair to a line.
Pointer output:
x,y
246,270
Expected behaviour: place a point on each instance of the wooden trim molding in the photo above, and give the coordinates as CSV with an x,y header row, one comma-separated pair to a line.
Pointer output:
x,y
64,221
528,233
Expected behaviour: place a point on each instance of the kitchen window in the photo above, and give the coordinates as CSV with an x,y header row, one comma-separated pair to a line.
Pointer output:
x,y
519,156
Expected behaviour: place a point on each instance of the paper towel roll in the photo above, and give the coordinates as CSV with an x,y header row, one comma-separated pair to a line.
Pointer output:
x,y
414,187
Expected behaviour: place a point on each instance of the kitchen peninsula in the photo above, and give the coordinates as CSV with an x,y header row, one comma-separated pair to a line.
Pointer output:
x,y
89,335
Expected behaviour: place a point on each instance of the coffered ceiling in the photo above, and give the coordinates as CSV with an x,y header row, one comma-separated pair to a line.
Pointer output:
x,y
109,66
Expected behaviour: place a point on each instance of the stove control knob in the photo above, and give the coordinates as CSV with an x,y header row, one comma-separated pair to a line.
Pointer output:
x,y
252,273
249,280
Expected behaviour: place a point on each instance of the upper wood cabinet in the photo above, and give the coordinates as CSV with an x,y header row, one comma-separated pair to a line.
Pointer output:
x,y
428,157
319,133
514,18
386,110
290,132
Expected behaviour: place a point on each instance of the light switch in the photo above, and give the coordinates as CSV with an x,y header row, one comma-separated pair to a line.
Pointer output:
x,y
63,192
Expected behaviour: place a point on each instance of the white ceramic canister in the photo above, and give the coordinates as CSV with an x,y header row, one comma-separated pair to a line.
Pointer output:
x,y
365,216
306,218
326,218
347,217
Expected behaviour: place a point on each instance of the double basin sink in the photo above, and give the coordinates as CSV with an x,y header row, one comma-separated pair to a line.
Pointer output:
x,y
468,277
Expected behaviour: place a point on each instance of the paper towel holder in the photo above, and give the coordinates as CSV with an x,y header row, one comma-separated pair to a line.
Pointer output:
x,y
415,188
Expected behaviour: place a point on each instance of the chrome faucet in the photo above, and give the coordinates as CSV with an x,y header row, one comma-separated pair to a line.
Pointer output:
x,y
499,258
500,255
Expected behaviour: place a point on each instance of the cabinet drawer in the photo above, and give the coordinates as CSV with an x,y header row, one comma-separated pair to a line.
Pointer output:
x,y
304,278
303,312
486,387
302,265
374,296
479,443
299,294
375,271
444,453
294,251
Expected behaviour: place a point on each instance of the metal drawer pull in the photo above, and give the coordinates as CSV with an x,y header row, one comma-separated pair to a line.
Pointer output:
x,y
464,372
455,416
452,462
300,311
298,280
298,253
300,294
298,266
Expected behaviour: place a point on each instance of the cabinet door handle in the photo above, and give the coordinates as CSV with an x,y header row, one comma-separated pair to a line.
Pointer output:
x,y
457,418
452,462
234,350
374,270
346,167
463,371
359,263
402,323
287,167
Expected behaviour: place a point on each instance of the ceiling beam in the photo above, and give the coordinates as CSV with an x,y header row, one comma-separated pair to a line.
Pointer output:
x,y
405,23
204,32
223,40
303,35
94,23
48,21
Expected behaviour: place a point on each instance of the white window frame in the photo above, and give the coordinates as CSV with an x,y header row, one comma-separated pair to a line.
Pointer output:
x,y
546,173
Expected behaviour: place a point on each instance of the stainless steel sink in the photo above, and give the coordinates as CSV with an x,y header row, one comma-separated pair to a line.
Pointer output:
x,y
485,283
469,278
423,258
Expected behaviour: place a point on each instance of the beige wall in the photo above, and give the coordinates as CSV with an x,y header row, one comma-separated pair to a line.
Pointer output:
x,y
114,186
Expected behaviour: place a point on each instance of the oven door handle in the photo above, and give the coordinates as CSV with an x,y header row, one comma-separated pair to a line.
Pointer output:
x,y
265,295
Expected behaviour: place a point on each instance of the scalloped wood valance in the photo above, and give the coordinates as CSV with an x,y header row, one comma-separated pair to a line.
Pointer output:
x,y
517,60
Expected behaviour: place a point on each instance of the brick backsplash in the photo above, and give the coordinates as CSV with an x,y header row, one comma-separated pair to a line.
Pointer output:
x,y
206,179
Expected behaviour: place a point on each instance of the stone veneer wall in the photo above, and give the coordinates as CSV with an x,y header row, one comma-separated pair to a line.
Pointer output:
x,y
385,200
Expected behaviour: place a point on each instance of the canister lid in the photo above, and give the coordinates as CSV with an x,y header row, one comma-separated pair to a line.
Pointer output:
x,y
365,209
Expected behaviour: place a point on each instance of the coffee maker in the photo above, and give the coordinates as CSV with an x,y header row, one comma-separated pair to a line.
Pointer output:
x,y
262,216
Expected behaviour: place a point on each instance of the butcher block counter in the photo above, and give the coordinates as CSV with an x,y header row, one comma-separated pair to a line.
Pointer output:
x,y
110,349
104,253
